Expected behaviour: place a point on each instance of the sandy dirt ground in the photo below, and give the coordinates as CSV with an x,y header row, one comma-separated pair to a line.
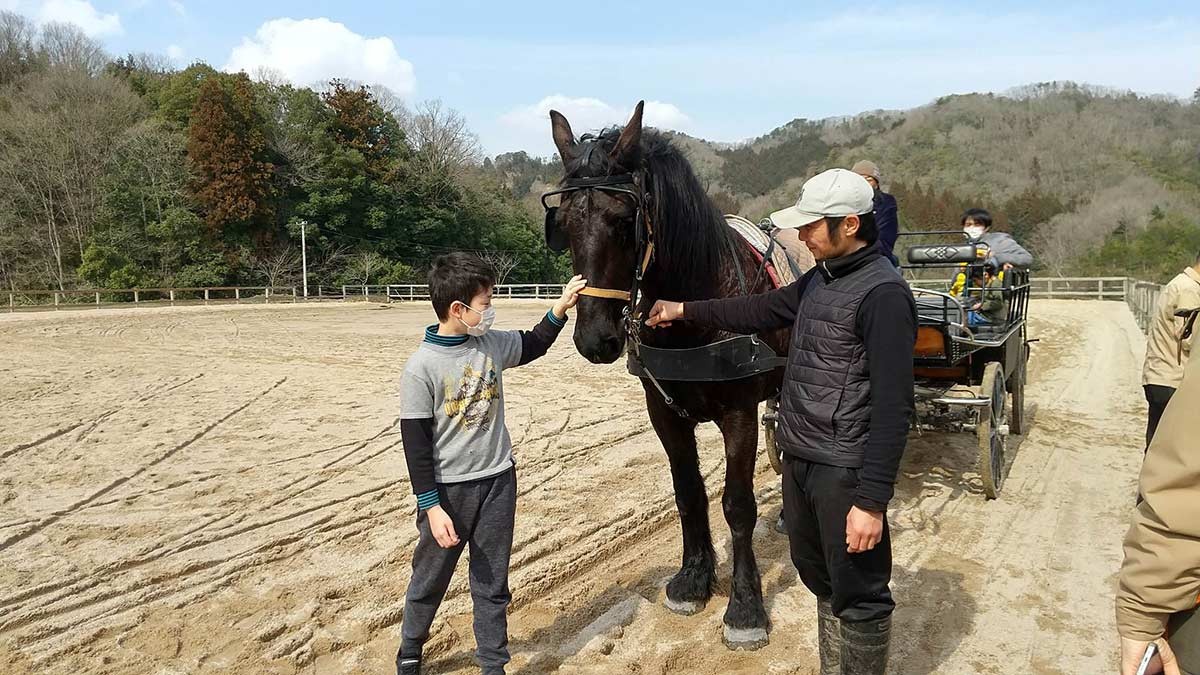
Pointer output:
x,y
223,490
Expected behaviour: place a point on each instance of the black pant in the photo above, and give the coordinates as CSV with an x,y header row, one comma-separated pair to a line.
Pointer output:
x,y
483,513
1158,397
816,500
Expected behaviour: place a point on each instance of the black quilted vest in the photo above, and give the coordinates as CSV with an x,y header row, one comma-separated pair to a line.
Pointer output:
x,y
825,405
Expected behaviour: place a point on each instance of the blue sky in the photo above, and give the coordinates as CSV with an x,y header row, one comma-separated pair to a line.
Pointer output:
x,y
720,70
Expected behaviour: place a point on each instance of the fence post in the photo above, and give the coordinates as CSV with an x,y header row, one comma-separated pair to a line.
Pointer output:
x,y
343,293
97,298
268,298
237,295
136,296
55,299
206,296
11,303
294,294
172,292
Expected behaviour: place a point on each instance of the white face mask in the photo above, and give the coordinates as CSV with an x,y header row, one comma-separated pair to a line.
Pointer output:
x,y
974,231
486,318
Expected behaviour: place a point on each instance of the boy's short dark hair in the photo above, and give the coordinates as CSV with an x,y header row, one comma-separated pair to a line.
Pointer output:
x,y
868,231
981,216
457,277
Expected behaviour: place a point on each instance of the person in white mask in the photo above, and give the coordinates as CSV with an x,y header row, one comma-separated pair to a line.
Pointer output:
x,y
459,454
1004,251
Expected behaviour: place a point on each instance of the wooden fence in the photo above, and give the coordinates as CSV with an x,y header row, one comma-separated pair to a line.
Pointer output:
x,y
1140,295
25,300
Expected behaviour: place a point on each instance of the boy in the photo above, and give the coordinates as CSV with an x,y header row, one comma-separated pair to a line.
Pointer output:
x,y
985,303
459,453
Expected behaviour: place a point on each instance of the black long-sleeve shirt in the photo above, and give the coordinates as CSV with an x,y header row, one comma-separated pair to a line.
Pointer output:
x,y
417,434
886,324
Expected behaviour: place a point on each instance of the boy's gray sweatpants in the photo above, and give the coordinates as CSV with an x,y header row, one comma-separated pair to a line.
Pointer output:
x,y
483,512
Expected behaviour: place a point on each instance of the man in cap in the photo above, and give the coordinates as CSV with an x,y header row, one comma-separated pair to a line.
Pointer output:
x,y
843,411
884,208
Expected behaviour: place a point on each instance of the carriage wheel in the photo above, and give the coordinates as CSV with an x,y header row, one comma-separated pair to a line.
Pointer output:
x,y
1016,422
992,430
769,421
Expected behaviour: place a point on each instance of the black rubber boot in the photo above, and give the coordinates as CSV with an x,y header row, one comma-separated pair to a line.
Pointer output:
x,y
865,646
408,665
829,638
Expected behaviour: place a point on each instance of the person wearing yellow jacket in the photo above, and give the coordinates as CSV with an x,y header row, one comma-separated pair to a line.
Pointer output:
x,y
1159,585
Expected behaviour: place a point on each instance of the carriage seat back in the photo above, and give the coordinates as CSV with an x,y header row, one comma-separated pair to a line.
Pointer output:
x,y
945,253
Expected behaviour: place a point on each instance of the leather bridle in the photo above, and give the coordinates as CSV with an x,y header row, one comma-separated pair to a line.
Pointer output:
x,y
630,184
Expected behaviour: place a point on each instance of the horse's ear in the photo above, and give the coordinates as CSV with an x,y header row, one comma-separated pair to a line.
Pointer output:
x,y
627,152
564,138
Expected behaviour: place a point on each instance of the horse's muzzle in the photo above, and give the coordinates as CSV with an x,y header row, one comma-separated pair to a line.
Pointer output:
x,y
600,348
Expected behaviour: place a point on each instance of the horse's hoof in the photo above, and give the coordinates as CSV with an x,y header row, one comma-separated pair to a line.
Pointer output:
x,y
745,639
780,526
684,607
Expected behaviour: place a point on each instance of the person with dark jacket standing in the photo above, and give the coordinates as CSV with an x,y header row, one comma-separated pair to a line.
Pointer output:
x,y
843,412
884,208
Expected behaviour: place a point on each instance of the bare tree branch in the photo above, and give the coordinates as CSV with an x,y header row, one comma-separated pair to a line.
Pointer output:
x,y
503,262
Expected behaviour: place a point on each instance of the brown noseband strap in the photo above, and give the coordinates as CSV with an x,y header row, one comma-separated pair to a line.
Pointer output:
x,y
606,293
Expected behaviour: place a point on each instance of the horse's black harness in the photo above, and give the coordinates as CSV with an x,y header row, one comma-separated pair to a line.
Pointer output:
x,y
730,359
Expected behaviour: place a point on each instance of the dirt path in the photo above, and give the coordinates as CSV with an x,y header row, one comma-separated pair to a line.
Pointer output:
x,y
223,489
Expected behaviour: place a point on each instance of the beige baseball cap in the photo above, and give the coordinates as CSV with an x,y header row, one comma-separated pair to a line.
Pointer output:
x,y
867,169
836,192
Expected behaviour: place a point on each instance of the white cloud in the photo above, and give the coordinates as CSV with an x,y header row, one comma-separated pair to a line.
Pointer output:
x,y
175,52
178,7
529,126
82,14
309,51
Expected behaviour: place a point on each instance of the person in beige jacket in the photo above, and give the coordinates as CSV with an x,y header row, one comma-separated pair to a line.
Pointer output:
x,y
1159,585
1166,355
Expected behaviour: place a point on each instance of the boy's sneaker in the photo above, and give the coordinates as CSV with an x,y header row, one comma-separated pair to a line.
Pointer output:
x,y
406,665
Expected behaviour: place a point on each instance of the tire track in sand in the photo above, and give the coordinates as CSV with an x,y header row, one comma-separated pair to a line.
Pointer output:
x,y
59,515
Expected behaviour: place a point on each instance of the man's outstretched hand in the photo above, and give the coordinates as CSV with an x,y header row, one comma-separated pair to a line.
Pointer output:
x,y
664,312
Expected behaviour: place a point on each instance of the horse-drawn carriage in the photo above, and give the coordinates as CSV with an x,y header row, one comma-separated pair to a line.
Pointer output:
x,y
967,368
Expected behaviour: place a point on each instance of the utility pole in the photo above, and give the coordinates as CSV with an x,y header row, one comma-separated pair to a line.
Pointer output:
x,y
304,258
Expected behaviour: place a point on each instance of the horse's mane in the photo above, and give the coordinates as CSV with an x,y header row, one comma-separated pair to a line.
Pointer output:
x,y
690,235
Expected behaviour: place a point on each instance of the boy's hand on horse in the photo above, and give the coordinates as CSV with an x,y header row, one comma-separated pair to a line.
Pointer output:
x,y
663,313
442,527
864,530
570,296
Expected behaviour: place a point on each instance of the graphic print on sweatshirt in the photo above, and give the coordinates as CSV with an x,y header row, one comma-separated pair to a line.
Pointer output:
x,y
470,398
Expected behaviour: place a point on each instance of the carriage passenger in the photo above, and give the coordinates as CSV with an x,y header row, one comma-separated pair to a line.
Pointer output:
x,y
1003,251
983,299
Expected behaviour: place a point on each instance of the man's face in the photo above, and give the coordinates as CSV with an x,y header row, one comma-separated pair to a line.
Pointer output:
x,y
824,246
973,228
871,179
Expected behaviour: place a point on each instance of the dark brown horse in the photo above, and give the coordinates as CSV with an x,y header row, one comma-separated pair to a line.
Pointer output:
x,y
649,198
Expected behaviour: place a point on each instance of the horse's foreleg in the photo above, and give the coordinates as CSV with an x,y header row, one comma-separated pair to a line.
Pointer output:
x,y
745,618
690,588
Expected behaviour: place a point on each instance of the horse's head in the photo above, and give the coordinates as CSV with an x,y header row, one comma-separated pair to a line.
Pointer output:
x,y
598,224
